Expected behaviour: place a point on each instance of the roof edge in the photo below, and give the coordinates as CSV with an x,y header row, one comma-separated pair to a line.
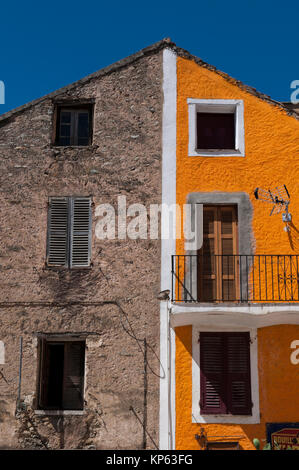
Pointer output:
x,y
156,47
253,91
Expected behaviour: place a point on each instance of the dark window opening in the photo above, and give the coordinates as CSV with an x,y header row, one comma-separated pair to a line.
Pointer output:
x,y
62,375
74,125
216,131
55,375
225,386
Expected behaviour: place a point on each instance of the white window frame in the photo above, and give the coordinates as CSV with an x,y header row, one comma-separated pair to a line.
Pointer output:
x,y
216,106
254,418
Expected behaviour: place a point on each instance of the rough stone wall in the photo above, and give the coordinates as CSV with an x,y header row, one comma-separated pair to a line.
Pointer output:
x,y
114,302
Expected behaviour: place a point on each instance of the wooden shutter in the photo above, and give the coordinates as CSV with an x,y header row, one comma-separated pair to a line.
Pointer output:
x,y
225,386
57,246
207,262
228,272
73,382
238,371
218,278
212,373
80,232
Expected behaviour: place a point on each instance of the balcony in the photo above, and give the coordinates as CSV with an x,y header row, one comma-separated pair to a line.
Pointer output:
x,y
244,279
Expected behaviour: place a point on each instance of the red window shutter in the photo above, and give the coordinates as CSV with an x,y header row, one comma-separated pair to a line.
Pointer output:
x,y
238,374
225,386
212,373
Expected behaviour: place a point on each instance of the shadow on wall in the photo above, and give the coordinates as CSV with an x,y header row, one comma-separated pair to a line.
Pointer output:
x,y
233,439
293,235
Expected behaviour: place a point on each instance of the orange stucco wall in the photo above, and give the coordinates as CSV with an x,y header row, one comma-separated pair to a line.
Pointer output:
x,y
278,388
271,159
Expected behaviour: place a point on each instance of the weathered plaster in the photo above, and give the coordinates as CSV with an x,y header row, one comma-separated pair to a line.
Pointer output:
x,y
115,300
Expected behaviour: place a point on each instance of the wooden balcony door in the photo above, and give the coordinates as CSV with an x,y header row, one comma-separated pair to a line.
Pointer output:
x,y
218,278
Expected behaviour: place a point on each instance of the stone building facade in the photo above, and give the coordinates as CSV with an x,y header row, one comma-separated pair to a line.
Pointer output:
x,y
111,307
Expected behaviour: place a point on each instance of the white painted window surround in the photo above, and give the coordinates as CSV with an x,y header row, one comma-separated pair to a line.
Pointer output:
x,y
216,106
224,418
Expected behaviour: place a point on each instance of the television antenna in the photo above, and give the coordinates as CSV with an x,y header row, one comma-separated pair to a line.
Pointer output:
x,y
280,198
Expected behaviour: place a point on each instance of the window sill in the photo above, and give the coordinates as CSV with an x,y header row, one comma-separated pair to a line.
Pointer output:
x,y
59,412
65,268
57,146
225,419
215,153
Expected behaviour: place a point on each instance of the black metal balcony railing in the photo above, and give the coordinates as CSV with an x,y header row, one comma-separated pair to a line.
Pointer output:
x,y
235,278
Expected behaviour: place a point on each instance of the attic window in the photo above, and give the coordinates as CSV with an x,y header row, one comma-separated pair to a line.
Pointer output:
x,y
73,125
216,128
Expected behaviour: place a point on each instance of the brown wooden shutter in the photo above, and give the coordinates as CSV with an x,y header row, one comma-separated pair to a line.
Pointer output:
x,y
57,245
238,374
73,382
218,278
80,232
212,373
228,272
207,262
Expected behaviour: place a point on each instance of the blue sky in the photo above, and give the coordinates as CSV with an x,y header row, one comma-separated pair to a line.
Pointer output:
x,y
46,45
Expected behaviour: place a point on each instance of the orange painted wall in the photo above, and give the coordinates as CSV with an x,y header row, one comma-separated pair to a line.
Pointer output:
x,y
278,388
271,156
271,159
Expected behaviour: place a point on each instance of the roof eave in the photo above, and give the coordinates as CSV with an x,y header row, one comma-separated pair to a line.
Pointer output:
x,y
152,49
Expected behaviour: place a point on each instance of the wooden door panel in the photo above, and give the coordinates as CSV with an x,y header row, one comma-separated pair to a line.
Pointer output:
x,y
217,260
